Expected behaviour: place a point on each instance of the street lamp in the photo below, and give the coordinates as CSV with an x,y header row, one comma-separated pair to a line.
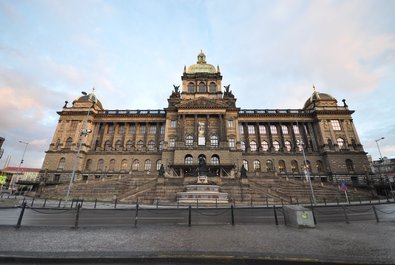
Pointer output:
x,y
84,132
382,161
20,165
378,147
306,170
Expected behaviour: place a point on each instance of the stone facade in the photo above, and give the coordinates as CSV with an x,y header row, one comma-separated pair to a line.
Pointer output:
x,y
203,120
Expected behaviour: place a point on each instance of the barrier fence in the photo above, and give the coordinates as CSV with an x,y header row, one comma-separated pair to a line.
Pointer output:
x,y
134,216
264,202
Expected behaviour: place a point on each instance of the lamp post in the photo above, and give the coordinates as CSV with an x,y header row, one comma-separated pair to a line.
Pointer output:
x,y
382,161
84,132
306,170
20,165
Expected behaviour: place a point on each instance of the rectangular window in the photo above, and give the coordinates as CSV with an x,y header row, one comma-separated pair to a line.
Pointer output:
x,y
284,128
273,129
230,124
262,129
296,129
173,124
232,143
162,129
110,128
142,129
172,142
251,129
153,129
241,128
121,129
132,129
336,125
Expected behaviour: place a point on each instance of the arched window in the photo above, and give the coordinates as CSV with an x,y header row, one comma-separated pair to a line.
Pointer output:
x,y
242,146
215,160
232,142
188,160
294,166
129,145
135,165
151,145
100,165
57,145
253,146
191,87
62,163
189,140
161,145
172,142
202,87
349,165
340,143
319,166
88,165
265,146
281,166
245,164
140,145
147,165
111,166
269,165
288,145
213,87
257,165
276,146
124,165
300,147
69,141
118,145
158,164
107,146
214,141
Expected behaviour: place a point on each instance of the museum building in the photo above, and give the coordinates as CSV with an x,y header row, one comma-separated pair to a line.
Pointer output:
x,y
202,120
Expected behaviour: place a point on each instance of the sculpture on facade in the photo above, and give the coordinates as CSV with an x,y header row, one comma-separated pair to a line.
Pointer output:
x,y
161,171
202,169
228,92
243,172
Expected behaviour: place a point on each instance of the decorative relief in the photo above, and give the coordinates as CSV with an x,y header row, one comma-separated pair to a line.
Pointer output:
x,y
204,103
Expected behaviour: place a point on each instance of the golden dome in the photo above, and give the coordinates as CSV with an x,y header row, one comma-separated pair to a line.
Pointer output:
x,y
201,66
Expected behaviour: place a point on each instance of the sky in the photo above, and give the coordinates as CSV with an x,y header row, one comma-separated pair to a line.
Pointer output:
x,y
132,52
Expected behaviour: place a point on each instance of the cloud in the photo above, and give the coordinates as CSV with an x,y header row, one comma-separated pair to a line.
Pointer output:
x,y
270,52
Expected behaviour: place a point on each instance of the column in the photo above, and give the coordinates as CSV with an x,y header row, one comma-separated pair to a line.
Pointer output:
x,y
293,137
269,131
313,136
195,132
281,137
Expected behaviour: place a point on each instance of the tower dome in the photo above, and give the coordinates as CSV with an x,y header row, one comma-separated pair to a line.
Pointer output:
x,y
319,99
201,66
91,97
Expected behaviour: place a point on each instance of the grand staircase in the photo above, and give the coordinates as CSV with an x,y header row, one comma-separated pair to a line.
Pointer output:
x,y
262,189
281,189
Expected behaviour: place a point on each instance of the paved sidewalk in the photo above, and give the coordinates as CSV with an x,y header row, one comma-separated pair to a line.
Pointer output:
x,y
355,243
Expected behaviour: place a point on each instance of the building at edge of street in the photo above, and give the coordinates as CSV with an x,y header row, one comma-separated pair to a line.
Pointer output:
x,y
202,120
